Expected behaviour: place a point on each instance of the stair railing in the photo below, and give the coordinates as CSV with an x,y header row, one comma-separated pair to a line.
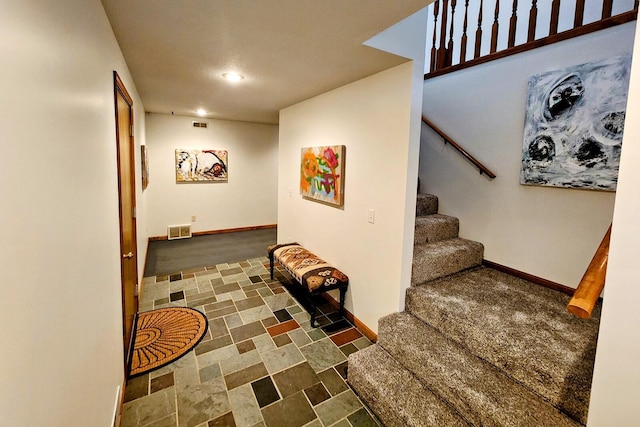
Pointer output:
x,y
452,28
586,295
447,139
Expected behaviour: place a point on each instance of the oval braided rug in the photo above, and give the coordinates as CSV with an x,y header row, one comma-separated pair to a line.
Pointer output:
x,y
164,335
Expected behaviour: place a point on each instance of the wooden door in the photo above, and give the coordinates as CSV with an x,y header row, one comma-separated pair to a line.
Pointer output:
x,y
127,195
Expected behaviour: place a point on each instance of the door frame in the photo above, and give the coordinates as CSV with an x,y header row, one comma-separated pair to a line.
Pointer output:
x,y
120,90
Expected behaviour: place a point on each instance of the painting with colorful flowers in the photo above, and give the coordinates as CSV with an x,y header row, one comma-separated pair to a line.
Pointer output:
x,y
322,174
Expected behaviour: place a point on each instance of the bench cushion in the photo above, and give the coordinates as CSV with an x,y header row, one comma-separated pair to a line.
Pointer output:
x,y
309,270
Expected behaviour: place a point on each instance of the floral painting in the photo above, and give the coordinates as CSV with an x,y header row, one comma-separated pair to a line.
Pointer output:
x,y
201,166
574,125
322,174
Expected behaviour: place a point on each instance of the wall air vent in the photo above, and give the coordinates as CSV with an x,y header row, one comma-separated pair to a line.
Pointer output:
x,y
199,124
179,231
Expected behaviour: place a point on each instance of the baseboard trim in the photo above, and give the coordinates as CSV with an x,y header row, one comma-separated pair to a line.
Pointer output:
x,y
529,277
222,231
118,417
372,336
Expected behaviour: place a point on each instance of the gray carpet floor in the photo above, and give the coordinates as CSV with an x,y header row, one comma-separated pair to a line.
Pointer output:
x,y
170,256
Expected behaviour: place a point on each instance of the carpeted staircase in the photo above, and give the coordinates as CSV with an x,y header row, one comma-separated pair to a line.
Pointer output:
x,y
475,346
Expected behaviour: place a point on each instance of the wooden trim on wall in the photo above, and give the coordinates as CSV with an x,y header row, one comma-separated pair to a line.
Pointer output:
x,y
226,230
118,421
372,336
529,277
122,89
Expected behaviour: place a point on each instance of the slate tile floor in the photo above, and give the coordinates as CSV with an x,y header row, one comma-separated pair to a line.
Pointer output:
x,y
260,363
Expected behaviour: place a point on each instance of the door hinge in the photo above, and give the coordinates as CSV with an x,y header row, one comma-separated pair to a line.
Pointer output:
x,y
137,291
131,131
133,212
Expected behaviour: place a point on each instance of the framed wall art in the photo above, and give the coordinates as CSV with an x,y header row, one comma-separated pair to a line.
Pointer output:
x,y
144,159
201,166
322,174
574,125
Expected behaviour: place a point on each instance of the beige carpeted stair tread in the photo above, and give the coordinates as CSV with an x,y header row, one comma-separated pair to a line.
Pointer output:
x,y
475,346
439,259
434,228
478,391
521,328
394,394
426,204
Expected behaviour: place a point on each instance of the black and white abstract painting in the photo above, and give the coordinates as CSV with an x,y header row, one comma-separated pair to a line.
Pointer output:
x,y
573,125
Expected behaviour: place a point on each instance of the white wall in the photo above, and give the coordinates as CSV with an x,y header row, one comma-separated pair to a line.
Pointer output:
x,y
371,118
616,381
407,39
61,309
547,232
248,199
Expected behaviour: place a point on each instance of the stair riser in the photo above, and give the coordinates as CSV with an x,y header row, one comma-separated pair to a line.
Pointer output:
x,y
434,261
435,228
426,204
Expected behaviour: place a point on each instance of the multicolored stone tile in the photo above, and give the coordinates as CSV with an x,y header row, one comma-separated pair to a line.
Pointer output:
x,y
161,382
244,406
345,337
260,364
296,378
282,328
293,411
323,354
317,394
265,391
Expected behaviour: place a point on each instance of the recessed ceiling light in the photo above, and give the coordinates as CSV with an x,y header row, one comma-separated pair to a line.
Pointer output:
x,y
232,76
201,112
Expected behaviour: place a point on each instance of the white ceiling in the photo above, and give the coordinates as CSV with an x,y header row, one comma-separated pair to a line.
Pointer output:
x,y
288,50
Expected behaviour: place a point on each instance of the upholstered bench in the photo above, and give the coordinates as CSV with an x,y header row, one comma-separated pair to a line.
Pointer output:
x,y
314,275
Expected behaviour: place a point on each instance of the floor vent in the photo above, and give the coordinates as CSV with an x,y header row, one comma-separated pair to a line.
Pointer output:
x,y
179,231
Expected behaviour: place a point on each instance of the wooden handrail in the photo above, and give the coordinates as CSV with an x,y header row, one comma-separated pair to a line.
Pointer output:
x,y
447,139
592,283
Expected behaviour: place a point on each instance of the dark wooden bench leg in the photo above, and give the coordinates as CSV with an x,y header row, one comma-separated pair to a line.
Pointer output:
x,y
313,311
343,294
271,264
